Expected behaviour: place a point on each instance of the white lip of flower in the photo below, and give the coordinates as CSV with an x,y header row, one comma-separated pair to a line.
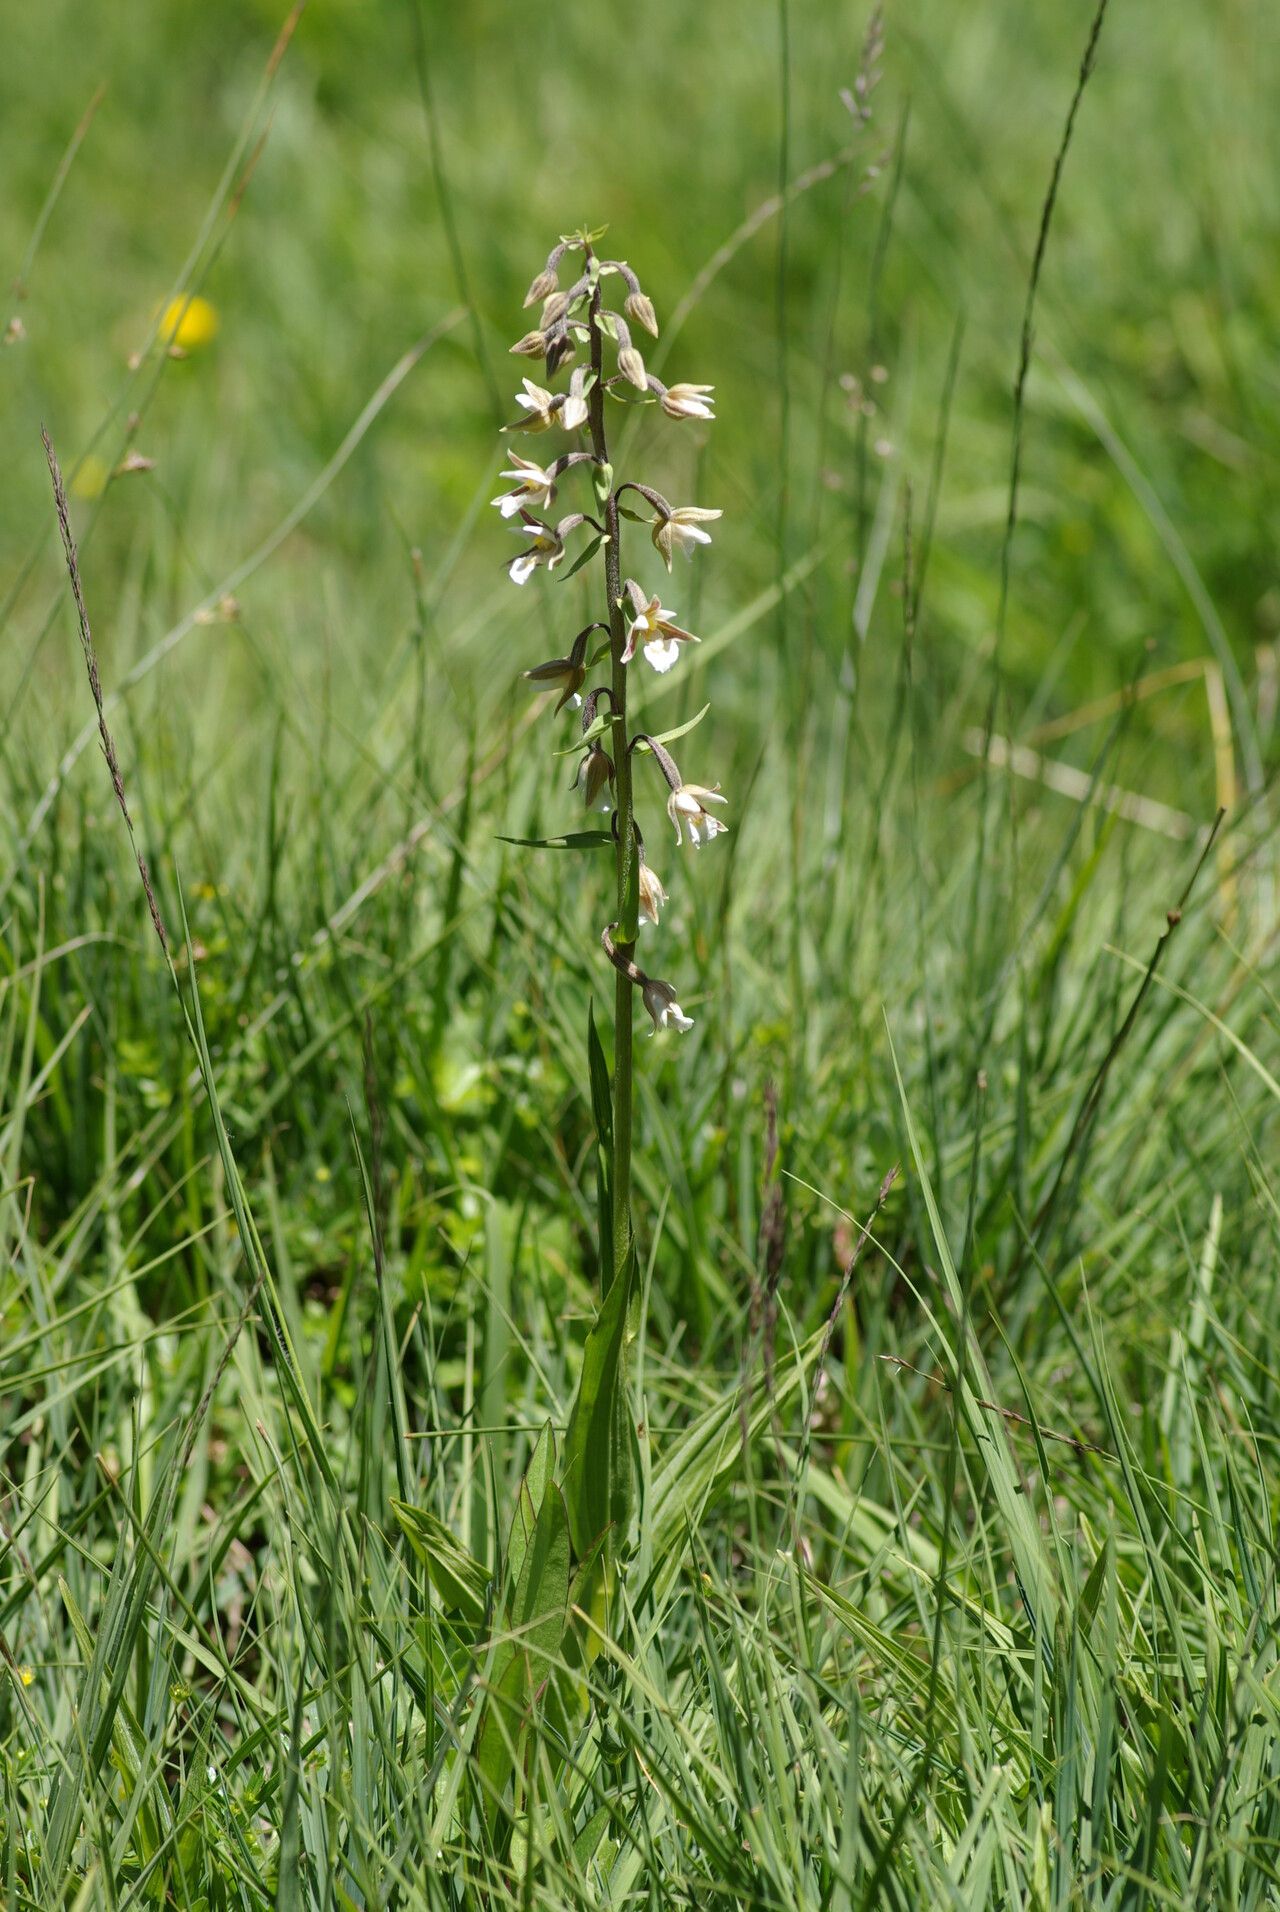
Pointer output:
x,y
534,487
662,653
653,627
682,531
688,401
660,1001
687,805
547,548
652,894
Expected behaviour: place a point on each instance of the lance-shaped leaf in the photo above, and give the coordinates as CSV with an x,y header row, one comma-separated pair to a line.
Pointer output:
x,y
525,1660
584,557
572,840
529,1498
460,1581
681,730
596,1474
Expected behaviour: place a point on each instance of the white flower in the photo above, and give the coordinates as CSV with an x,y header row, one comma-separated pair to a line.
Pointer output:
x,y
539,408
688,401
660,1001
574,411
652,894
547,547
688,805
534,487
682,531
652,626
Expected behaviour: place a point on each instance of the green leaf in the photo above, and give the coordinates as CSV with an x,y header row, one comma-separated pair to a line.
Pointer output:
x,y
584,557
597,728
596,1473
573,840
588,1840
681,730
457,1576
529,1498
523,1663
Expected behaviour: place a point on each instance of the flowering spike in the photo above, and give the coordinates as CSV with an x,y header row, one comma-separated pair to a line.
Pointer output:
x,y
570,319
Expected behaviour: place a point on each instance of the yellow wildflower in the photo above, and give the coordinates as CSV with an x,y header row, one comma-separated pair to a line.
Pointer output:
x,y
188,322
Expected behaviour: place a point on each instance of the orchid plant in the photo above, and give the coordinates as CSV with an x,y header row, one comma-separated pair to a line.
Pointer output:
x,y
579,320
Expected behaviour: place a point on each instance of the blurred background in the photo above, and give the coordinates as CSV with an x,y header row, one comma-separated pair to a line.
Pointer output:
x,y
326,742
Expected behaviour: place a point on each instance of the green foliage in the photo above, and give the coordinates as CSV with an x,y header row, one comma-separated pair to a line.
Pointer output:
x,y
356,1548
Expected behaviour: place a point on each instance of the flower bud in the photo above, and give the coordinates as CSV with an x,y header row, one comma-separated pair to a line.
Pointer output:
x,y
639,308
631,365
542,288
532,345
559,347
595,774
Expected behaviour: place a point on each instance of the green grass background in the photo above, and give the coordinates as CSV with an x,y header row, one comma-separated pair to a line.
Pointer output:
x,y
876,1642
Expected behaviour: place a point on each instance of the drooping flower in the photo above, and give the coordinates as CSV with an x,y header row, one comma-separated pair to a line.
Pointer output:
x,y
688,805
534,487
546,546
652,894
561,673
681,530
567,674
595,775
532,345
688,401
654,627
660,1001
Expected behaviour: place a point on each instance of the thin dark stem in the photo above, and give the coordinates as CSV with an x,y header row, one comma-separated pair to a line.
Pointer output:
x,y
624,836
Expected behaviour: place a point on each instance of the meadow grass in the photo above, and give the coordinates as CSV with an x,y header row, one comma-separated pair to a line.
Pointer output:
x,y
952,1579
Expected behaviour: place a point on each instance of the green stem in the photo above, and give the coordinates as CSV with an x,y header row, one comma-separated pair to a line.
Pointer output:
x,y
626,830
626,850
